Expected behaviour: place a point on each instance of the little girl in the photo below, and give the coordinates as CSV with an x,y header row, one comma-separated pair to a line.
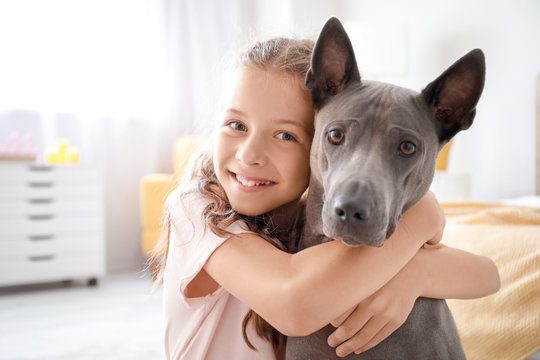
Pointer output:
x,y
220,257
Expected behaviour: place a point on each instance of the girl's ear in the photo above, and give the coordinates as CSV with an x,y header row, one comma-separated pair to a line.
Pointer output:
x,y
453,96
333,64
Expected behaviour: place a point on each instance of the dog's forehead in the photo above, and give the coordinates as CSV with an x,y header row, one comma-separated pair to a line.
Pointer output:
x,y
387,104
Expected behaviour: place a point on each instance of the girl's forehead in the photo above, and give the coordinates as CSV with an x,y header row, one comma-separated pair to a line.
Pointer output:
x,y
265,76
274,84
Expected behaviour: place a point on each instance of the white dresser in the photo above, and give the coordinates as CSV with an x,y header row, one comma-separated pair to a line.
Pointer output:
x,y
51,224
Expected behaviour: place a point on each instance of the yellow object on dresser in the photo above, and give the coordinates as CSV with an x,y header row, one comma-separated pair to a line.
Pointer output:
x,y
62,153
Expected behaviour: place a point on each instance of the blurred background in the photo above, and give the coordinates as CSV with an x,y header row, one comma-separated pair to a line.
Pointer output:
x,y
107,88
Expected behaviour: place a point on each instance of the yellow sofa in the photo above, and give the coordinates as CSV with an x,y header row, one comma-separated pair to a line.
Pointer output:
x,y
154,189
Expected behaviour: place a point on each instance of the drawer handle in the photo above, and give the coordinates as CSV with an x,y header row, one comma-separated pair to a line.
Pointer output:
x,y
41,200
41,257
41,217
40,184
40,168
41,237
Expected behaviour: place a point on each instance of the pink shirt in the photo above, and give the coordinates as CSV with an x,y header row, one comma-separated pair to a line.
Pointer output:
x,y
208,327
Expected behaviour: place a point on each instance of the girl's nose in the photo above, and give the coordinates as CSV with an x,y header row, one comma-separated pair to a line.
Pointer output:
x,y
251,152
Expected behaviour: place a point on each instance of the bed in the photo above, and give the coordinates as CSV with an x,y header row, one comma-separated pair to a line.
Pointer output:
x,y
505,325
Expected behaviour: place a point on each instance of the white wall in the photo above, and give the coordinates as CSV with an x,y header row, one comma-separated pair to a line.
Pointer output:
x,y
499,150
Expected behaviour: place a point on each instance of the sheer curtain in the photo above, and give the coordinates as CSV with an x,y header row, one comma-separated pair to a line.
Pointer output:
x,y
121,79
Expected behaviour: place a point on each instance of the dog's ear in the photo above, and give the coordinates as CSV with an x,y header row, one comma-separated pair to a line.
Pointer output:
x,y
333,65
453,96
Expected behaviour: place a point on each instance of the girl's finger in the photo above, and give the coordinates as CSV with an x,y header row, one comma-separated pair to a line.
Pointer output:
x,y
363,337
385,332
350,326
337,322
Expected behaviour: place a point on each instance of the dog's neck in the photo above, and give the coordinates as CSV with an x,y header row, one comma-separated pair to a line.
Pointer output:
x,y
283,217
300,218
286,223
299,223
312,232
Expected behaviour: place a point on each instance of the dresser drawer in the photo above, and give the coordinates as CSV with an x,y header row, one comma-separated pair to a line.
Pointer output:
x,y
17,173
48,224
25,182
50,268
51,205
24,192
50,244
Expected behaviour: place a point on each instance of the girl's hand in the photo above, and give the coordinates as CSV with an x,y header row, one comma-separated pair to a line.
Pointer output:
x,y
378,316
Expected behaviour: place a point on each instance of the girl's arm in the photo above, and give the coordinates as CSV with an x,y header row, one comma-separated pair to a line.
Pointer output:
x,y
441,272
449,273
301,293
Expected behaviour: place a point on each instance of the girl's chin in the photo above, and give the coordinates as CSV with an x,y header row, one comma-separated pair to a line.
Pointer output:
x,y
249,211
255,205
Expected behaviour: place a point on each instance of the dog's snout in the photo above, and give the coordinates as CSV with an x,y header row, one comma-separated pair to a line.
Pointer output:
x,y
351,208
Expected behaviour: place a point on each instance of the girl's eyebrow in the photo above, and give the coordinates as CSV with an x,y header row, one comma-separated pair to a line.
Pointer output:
x,y
290,122
238,112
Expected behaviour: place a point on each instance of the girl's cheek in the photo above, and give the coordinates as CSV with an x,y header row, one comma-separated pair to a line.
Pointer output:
x,y
221,142
301,168
220,147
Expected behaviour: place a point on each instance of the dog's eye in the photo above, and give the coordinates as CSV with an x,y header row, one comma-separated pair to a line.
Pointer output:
x,y
335,137
406,149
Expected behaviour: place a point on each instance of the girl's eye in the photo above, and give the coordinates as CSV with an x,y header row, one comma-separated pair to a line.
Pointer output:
x,y
406,149
236,125
287,137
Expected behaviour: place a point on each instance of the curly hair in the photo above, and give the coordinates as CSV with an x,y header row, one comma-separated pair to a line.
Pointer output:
x,y
292,57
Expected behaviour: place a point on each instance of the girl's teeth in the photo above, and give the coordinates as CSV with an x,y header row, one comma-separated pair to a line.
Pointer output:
x,y
249,183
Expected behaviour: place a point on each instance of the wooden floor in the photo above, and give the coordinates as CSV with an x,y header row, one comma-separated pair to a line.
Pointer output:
x,y
117,319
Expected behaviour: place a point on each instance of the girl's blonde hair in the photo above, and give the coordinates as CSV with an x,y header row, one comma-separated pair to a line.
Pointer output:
x,y
292,57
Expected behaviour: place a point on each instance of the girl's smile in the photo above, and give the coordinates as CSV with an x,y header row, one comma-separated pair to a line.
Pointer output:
x,y
247,183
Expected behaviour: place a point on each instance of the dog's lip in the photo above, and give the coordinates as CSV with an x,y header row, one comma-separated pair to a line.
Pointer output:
x,y
351,240
347,244
352,244
251,178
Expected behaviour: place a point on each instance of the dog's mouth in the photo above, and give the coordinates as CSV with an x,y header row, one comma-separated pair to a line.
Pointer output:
x,y
339,223
370,235
356,243
374,240
390,229
349,244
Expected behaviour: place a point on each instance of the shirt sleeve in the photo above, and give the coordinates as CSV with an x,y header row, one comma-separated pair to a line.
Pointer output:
x,y
191,244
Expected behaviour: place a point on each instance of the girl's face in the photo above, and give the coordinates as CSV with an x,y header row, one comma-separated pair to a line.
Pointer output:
x,y
261,156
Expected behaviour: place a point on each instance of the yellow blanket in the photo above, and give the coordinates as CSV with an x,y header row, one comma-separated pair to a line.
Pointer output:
x,y
505,325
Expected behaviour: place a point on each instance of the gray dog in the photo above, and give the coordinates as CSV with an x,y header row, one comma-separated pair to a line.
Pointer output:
x,y
373,156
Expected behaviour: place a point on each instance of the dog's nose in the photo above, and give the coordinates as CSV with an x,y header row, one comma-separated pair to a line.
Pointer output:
x,y
349,208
